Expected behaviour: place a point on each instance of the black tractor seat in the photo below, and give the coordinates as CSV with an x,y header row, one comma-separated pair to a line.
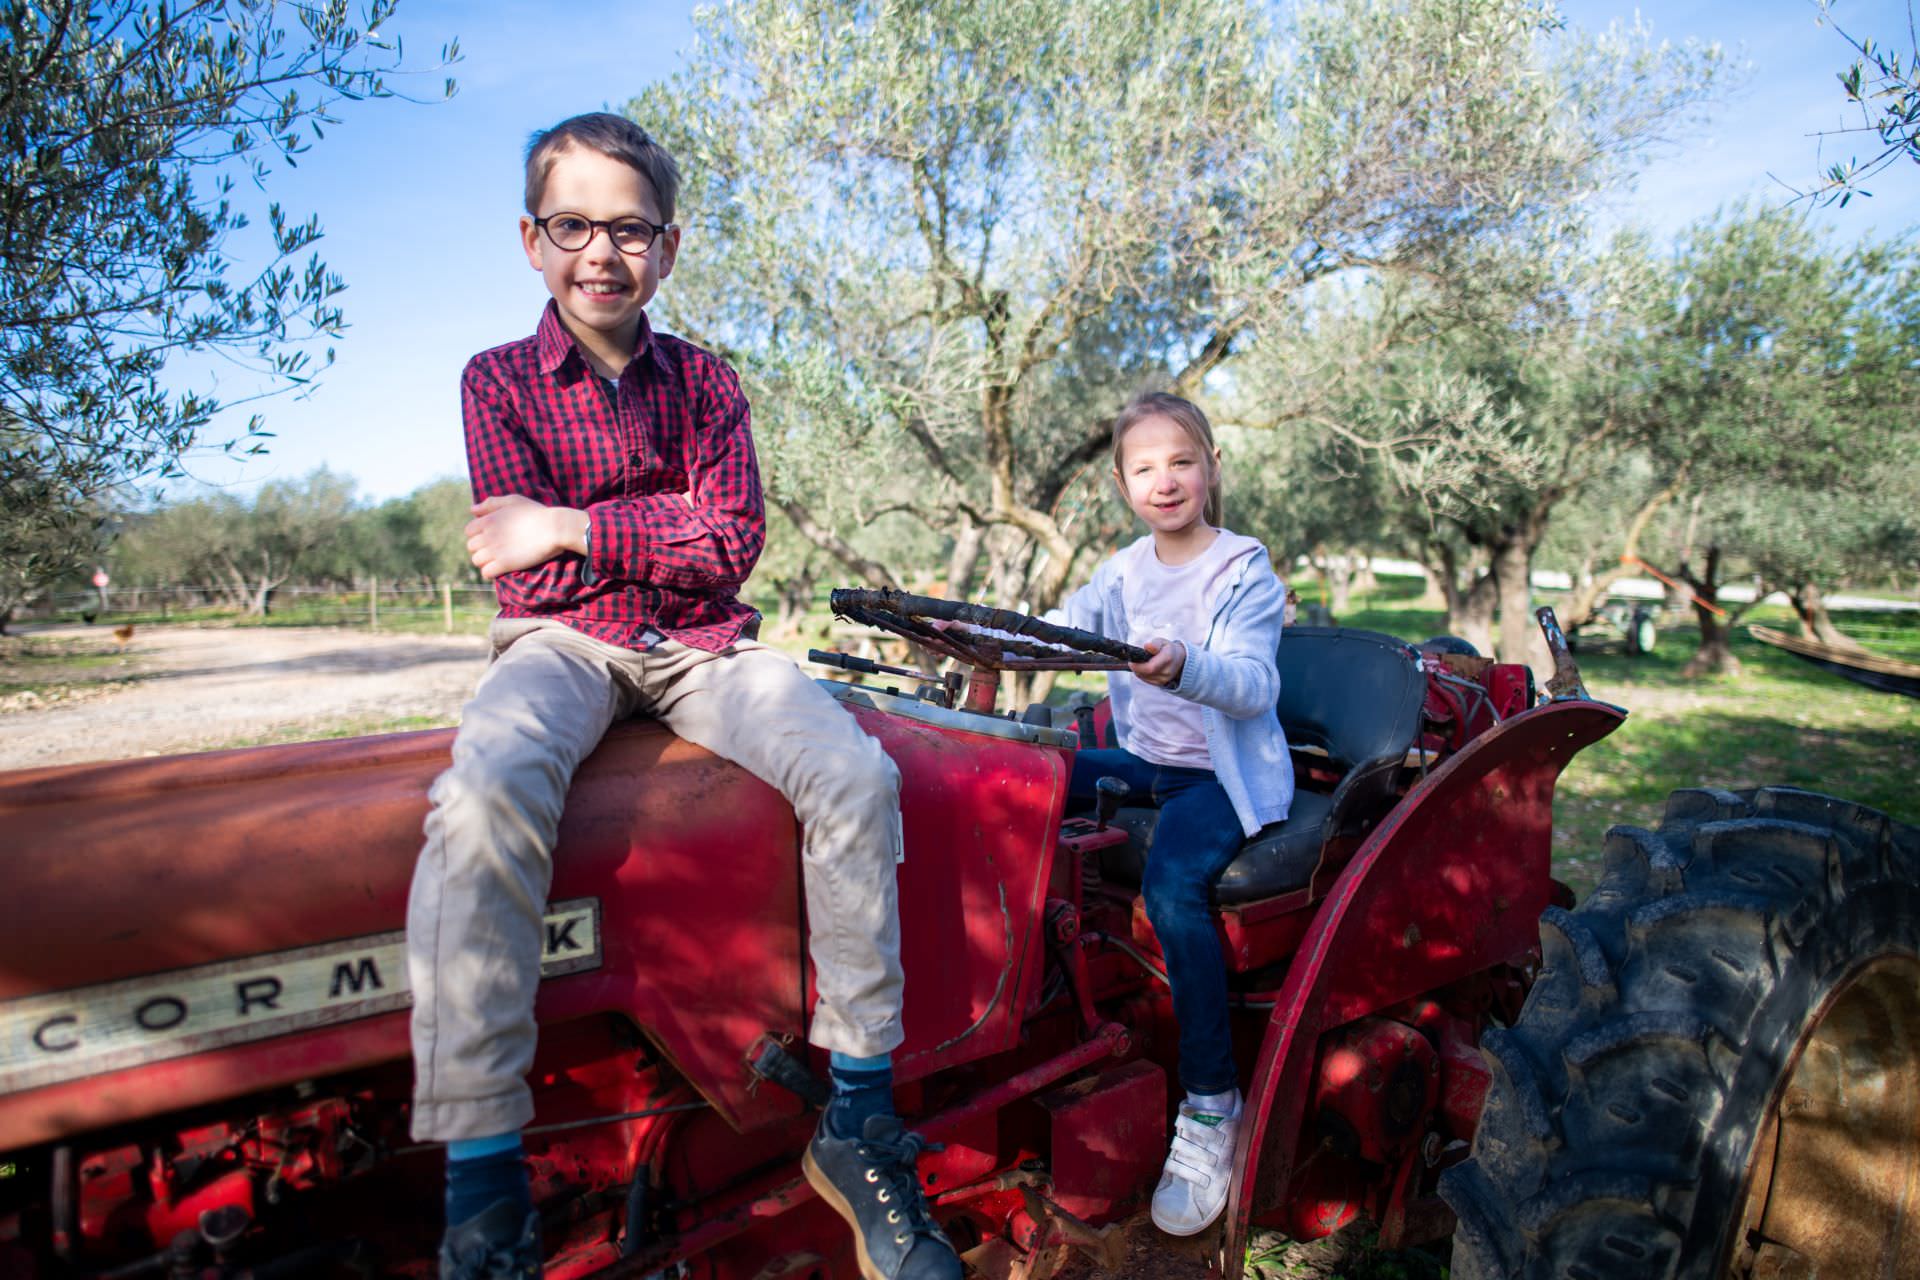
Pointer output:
x,y
1353,695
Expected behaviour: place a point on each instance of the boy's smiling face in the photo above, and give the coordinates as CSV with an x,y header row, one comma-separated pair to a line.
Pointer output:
x,y
601,291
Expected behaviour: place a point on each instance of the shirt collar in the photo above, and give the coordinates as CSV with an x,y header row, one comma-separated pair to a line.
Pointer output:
x,y
556,344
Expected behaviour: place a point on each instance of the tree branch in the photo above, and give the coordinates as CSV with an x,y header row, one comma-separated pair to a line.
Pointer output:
x,y
871,572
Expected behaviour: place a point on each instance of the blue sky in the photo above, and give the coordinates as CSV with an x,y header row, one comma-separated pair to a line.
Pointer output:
x,y
420,202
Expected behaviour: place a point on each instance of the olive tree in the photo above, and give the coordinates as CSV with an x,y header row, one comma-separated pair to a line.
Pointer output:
x,y
1776,376
1753,376
133,138
1883,84
945,241
1466,411
44,540
244,551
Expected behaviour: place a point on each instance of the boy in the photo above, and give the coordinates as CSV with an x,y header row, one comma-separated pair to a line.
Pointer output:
x,y
618,510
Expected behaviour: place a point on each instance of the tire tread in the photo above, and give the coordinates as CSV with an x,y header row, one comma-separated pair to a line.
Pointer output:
x,y
1625,1096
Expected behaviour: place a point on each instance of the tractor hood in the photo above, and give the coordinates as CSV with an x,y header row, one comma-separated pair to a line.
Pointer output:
x,y
184,929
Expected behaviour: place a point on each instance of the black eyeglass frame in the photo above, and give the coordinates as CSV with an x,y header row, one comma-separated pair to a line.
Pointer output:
x,y
596,225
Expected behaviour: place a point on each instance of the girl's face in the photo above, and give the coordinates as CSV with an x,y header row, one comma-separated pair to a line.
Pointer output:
x,y
1164,473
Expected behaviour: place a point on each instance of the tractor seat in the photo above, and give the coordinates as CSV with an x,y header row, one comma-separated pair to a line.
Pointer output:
x,y
1354,695
1280,859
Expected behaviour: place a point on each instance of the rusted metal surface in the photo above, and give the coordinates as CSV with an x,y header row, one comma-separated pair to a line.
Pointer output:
x,y
982,636
1565,682
983,690
1113,1041
791,1193
1834,1185
1055,1226
1107,1137
247,858
982,819
1409,1218
1452,883
1381,1078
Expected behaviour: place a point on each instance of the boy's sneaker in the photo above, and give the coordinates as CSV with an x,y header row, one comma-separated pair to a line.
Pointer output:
x,y
1193,1186
870,1181
500,1243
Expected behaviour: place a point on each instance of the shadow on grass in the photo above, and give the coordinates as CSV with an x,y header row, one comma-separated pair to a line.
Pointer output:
x,y
1626,778
343,661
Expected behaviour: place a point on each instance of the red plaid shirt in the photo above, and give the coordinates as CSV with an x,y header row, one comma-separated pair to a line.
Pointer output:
x,y
541,423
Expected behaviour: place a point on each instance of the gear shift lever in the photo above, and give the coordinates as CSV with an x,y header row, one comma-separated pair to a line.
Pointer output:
x,y
1109,794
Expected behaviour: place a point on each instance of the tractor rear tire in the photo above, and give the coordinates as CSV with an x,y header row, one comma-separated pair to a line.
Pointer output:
x,y
1717,1072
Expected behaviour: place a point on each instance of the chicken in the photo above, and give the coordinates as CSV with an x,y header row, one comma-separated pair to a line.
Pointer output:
x,y
123,633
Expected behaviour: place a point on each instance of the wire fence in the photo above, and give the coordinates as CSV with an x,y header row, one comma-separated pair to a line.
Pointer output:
x,y
405,606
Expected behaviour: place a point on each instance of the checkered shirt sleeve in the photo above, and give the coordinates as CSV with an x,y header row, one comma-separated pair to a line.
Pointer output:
x,y
709,537
663,464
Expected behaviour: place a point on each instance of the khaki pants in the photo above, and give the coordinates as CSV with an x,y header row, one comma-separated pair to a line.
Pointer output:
x,y
473,920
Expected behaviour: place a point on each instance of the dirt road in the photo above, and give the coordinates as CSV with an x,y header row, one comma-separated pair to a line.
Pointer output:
x,y
69,694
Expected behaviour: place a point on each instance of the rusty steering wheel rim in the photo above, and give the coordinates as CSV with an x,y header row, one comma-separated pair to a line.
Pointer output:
x,y
981,636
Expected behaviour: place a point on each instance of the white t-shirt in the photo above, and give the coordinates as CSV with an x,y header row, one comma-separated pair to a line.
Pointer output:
x,y
1173,602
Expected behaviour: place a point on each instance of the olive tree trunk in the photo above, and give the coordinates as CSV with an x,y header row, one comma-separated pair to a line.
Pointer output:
x,y
1470,613
1520,638
1810,606
1715,654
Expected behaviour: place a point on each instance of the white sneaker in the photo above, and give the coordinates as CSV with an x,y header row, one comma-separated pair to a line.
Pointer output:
x,y
1193,1186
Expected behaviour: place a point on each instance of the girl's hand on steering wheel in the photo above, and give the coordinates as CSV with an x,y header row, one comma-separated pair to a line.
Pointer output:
x,y
1164,667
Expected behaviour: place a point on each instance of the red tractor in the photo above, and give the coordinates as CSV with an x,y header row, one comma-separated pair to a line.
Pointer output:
x,y
1709,1068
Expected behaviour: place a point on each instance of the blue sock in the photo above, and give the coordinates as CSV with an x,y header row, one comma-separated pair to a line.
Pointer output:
x,y
483,1170
862,1087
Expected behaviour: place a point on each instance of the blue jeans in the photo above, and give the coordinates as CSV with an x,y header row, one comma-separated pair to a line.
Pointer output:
x,y
1197,837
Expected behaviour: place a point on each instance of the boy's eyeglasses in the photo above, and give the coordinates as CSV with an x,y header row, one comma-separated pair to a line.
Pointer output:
x,y
573,232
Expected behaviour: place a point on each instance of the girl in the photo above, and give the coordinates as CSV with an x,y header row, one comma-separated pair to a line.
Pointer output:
x,y
1198,737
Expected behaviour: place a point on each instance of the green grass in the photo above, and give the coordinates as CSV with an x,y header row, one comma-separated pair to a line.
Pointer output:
x,y
1780,721
57,669
1352,1253
356,728
31,656
422,614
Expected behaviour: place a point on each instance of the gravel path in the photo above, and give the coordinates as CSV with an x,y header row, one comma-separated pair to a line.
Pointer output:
x,y
175,689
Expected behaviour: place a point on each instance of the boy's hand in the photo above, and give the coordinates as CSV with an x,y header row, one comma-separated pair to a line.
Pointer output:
x,y
1164,667
510,532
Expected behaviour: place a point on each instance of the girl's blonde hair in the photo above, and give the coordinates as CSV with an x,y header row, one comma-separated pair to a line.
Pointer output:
x,y
1186,414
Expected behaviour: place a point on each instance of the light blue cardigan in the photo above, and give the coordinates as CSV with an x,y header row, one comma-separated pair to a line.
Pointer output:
x,y
1232,676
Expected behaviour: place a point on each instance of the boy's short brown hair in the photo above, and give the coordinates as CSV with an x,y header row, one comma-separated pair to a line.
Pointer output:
x,y
610,135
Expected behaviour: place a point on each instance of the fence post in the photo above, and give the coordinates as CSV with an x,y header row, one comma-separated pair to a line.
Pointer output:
x,y
373,606
446,601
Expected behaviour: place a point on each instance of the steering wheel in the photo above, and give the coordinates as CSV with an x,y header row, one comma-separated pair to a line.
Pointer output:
x,y
985,638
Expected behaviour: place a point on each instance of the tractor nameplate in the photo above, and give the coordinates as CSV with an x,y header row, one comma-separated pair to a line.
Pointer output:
x,y
88,1031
